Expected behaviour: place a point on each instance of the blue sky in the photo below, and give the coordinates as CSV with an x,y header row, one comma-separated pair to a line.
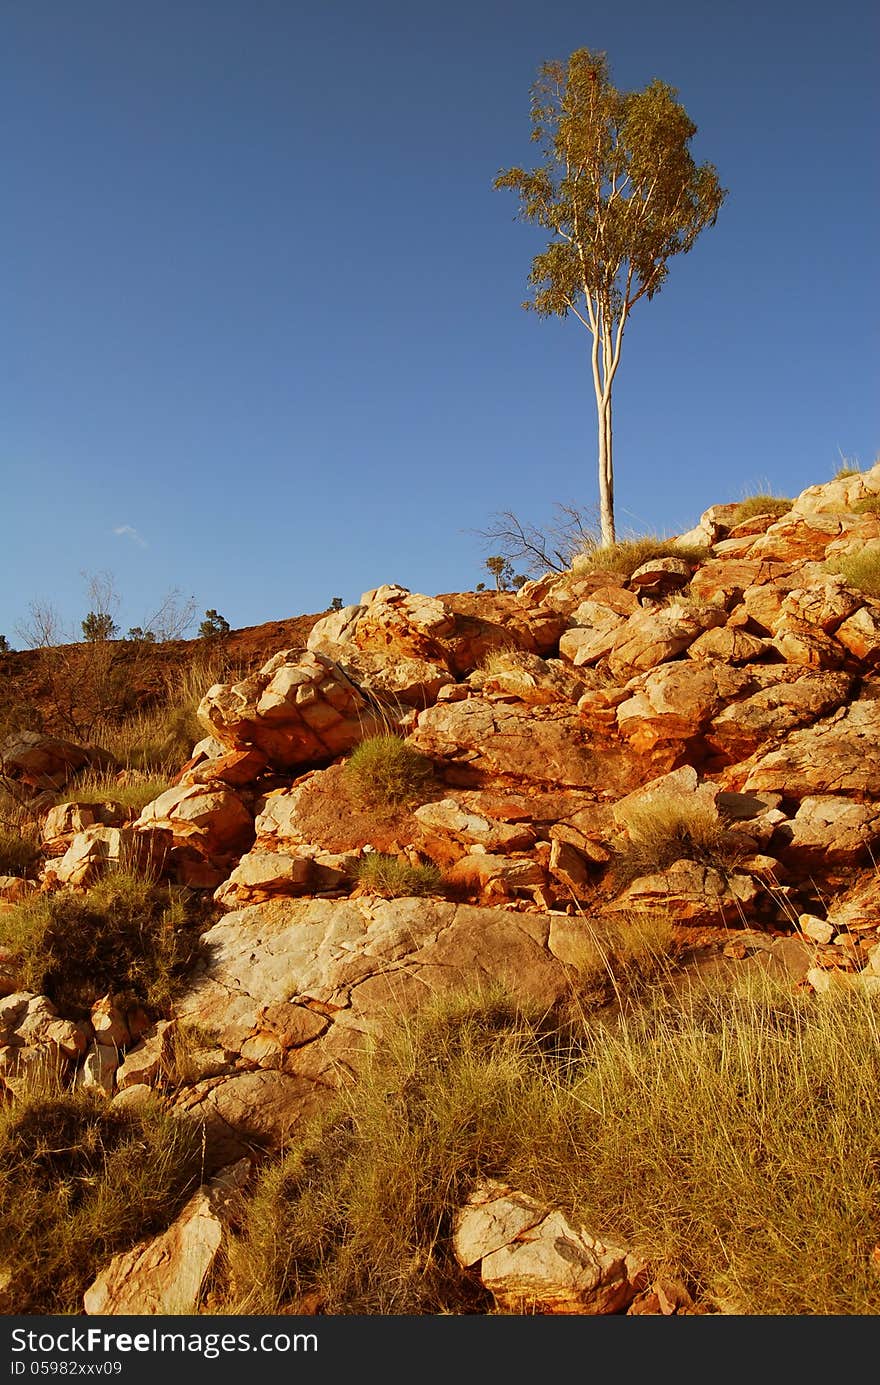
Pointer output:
x,y
262,338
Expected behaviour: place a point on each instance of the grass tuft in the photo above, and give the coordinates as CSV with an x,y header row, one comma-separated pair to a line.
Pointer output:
x,y
754,505
126,935
392,877
860,570
384,770
80,1180
624,557
730,1134
664,828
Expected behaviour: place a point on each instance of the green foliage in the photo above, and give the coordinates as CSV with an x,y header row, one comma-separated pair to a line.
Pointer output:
x,y
393,878
336,603
5,646
384,770
505,577
80,1180
213,624
620,194
98,626
141,636
761,505
126,935
860,569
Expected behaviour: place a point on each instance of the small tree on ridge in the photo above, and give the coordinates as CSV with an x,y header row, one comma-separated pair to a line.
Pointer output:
x,y
620,194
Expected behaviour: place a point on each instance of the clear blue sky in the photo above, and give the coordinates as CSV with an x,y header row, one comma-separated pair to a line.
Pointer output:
x,y
261,326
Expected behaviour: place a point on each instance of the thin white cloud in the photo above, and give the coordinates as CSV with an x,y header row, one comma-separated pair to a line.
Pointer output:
x,y
125,531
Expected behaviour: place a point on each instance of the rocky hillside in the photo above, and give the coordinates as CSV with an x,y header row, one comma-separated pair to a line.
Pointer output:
x,y
430,791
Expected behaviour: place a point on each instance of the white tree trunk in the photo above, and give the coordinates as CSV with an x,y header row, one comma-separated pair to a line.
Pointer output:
x,y
606,470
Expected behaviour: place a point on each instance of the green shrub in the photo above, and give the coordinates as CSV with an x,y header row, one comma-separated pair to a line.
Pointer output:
x,y
125,935
860,570
80,1180
868,505
392,877
753,505
384,770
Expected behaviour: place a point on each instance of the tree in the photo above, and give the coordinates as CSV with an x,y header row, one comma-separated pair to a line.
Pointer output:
x,y
5,646
99,625
213,624
620,194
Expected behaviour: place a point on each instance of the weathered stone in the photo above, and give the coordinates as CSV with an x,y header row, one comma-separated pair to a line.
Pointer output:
x,y
215,820
726,580
236,769
300,709
168,1273
728,645
691,893
799,697
15,888
675,703
828,830
820,930
110,1023
545,745
152,1056
571,867
860,635
98,848
801,643
535,1260
262,874
532,680
482,870
43,762
660,576
651,637
99,1069
65,820
840,755
447,816
839,494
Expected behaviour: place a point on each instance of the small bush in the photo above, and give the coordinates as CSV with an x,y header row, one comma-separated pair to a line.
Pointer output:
x,y
860,570
384,770
624,557
125,935
868,505
19,837
392,877
80,1180
754,505
664,828
213,624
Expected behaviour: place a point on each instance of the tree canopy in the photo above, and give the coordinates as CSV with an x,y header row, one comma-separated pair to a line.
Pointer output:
x,y
620,194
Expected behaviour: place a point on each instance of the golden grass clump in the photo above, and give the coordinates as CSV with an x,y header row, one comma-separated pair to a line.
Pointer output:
x,y
80,1180
624,557
663,828
860,569
384,770
754,505
730,1134
392,877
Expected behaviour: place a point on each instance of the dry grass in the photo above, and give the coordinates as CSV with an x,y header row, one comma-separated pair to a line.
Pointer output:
x,y
126,935
664,828
868,505
732,1135
623,558
133,791
385,771
80,1180
19,837
391,877
754,505
860,570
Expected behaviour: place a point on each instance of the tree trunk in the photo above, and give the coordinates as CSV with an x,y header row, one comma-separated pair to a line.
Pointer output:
x,y
606,471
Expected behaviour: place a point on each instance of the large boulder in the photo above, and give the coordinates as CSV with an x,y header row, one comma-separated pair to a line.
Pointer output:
x,y
300,709
212,818
44,762
838,755
534,1260
649,638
